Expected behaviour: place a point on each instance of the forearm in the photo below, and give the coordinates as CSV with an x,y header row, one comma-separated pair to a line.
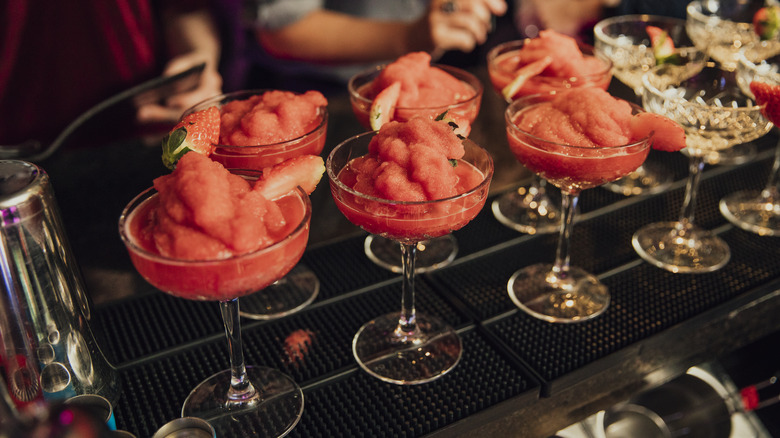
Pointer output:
x,y
192,32
333,38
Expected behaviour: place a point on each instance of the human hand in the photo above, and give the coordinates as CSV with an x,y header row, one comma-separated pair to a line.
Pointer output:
x,y
171,108
459,24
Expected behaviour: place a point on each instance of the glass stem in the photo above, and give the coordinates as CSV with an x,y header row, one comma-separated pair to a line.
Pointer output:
x,y
695,166
407,323
771,192
568,205
241,389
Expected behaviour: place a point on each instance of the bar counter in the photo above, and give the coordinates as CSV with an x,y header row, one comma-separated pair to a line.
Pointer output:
x,y
519,376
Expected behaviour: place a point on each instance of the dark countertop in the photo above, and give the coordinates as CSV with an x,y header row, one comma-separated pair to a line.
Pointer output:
x,y
519,376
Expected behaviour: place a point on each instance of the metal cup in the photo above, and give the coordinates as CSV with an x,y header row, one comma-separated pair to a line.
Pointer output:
x,y
186,427
47,349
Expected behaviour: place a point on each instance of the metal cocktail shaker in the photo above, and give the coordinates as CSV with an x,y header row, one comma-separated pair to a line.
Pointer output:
x,y
47,350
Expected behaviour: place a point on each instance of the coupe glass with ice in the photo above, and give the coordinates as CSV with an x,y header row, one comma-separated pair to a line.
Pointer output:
x,y
529,208
757,211
626,41
407,347
722,28
263,399
261,128
560,292
462,109
716,115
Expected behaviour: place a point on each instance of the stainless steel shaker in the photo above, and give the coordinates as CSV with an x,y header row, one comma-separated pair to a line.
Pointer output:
x,y
47,350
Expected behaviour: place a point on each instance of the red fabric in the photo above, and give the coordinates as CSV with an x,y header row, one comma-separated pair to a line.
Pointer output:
x,y
60,58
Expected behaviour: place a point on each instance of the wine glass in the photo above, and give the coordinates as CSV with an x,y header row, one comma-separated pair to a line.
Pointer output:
x,y
407,347
560,292
300,286
716,115
264,397
624,40
757,211
722,28
432,253
529,208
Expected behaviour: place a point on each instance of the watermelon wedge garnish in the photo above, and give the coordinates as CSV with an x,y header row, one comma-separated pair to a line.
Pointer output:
x,y
525,73
198,132
383,106
279,180
767,96
766,22
663,46
667,134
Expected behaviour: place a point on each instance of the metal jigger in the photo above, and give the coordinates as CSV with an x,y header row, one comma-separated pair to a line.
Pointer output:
x,y
47,350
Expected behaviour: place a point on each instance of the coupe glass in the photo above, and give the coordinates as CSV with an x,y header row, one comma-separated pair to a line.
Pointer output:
x,y
757,211
529,208
432,253
261,398
722,28
407,347
625,41
560,292
300,286
716,115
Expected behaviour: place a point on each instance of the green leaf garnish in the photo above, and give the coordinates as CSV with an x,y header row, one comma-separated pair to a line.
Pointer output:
x,y
173,147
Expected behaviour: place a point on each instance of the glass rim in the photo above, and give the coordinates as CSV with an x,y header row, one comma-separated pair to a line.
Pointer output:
x,y
467,77
220,99
523,101
151,193
335,180
649,87
601,34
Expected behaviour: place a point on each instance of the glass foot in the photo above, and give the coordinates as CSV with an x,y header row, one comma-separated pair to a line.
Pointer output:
x,y
407,358
431,254
288,295
752,212
528,210
677,248
643,181
535,290
274,410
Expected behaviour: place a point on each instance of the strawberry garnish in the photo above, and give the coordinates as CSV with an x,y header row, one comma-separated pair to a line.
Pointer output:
x,y
766,22
304,171
198,131
667,135
768,96
383,106
663,46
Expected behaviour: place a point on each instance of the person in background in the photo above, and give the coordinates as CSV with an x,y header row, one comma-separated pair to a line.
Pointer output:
x,y
575,18
59,59
305,42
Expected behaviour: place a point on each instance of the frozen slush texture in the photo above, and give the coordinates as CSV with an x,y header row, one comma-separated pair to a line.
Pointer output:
x,y
206,213
271,117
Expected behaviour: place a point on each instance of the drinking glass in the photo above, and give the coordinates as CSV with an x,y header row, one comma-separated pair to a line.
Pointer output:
x,y
529,208
268,400
407,347
757,211
560,292
432,253
624,40
716,115
300,286
721,28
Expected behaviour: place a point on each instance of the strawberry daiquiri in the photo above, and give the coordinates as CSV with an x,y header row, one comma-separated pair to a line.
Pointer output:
x,y
409,181
251,129
410,86
256,129
206,233
577,139
552,61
